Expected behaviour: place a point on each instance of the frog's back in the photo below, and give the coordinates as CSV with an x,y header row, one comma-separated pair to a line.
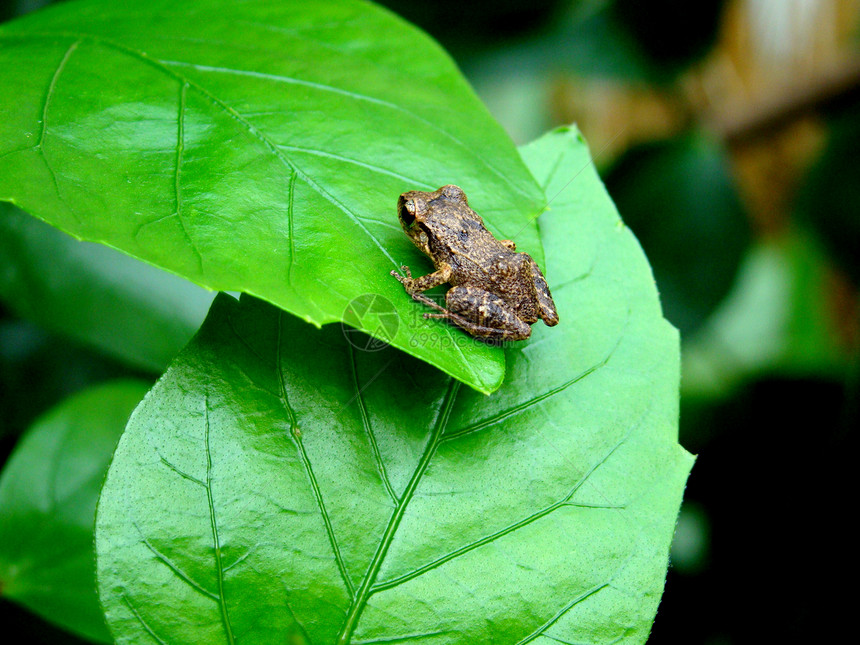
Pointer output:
x,y
494,268
466,242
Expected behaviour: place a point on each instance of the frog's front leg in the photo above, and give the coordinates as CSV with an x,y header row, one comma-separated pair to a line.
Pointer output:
x,y
415,286
482,314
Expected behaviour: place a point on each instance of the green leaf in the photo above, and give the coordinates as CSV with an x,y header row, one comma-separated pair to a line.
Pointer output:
x,y
48,493
256,147
94,294
279,483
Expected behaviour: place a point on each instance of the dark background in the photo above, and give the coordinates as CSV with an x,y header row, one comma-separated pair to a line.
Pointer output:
x,y
727,133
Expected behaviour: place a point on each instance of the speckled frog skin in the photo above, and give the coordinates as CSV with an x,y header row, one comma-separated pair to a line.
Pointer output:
x,y
496,293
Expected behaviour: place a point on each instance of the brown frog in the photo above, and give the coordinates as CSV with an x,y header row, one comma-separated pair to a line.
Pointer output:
x,y
496,293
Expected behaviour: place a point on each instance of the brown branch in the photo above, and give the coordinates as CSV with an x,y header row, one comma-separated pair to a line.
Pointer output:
x,y
755,120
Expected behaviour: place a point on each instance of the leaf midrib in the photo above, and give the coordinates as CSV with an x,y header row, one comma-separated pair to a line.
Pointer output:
x,y
366,588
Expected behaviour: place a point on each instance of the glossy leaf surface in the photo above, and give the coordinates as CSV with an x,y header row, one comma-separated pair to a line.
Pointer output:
x,y
48,493
280,484
256,147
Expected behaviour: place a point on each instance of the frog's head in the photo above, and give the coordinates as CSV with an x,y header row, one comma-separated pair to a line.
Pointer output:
x,y
412,210
425,215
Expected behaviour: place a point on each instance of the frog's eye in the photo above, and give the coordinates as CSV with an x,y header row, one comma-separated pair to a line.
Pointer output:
x,y
407,212
455,192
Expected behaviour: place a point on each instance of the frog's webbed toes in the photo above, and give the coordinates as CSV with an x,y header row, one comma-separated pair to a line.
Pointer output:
x,y
407,281
407,273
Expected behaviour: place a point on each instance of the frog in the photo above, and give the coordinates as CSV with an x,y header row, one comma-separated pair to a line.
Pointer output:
x,y
496,293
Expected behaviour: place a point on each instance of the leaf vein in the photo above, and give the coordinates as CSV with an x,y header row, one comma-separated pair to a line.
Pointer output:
x,y
564,501
292,241
561,612
279,79
164,66
368,428
533,401
551,173
52,88
233,114
371,167
182,473
170,564
373,568
353,95
177,175
219,568
402,639
140,619
39,147
341,565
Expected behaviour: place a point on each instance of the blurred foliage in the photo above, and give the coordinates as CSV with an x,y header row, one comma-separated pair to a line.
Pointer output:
x,y
95,294
679,198
623,38
776,319
464,27
48,494
670,34
38,369
830,199
633,40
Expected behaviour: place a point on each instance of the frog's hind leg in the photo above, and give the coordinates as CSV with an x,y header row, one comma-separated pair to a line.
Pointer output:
x,y
482,314
544,298
420,297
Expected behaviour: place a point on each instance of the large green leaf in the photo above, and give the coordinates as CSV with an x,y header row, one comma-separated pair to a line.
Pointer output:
x,y
48,495
95,294
279,484
256,147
